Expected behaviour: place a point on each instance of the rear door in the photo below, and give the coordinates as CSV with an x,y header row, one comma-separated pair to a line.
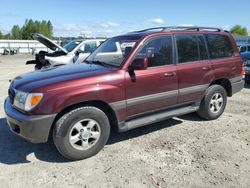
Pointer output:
x,y
194,69
156,87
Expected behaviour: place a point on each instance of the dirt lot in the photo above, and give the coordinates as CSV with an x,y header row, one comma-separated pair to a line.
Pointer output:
x,y
179,152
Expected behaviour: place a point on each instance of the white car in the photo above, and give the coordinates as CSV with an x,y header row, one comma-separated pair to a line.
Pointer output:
x,y
73,52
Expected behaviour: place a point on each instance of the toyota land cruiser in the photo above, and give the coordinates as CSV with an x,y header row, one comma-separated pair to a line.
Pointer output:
x,y
130,81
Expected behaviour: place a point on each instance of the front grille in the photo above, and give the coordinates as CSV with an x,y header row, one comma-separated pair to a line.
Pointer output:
x,y
11,93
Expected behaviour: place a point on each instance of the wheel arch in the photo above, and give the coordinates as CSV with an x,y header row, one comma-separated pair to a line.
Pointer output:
x,y
225,83
106,108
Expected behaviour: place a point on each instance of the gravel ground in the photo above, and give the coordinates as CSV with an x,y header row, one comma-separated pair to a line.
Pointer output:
x,y
180,152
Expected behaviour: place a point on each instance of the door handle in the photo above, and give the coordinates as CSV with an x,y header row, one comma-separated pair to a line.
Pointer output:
x,y
206,68
169,74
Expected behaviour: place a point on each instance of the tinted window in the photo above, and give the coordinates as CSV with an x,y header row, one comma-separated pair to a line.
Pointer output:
x,y
202,48
248,48
219,46
191,48
158,51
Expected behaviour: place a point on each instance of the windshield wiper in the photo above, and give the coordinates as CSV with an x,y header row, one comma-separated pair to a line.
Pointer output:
x,y
87,61
100,63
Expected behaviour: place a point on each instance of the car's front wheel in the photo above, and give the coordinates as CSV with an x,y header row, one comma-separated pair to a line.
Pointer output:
x,y
214,102
81,133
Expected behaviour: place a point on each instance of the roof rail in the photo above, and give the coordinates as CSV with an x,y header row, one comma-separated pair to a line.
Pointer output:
x,y
196,28
150,29
182,28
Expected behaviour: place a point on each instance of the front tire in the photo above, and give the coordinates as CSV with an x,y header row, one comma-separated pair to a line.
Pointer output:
x,y
214,103
81,133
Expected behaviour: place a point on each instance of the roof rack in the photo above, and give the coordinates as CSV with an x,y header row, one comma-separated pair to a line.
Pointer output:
x,y
182,28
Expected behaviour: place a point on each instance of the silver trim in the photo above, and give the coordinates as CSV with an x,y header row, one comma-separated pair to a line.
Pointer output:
x,y
155,97
118,105
193,89
152,98
156,117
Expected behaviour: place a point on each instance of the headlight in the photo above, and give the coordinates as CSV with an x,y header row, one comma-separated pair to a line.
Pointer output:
x,y
27,101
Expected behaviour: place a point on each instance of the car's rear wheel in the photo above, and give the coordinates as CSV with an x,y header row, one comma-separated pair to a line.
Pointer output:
x,y
247,79
81,133
214,102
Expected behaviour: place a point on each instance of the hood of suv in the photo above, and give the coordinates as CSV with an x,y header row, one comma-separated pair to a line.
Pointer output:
x,y
47,42
32,81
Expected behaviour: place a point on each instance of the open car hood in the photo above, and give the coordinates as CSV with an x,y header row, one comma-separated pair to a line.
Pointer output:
x,y
47,42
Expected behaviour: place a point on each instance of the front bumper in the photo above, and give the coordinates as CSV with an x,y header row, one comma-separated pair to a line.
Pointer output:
x,y
34,128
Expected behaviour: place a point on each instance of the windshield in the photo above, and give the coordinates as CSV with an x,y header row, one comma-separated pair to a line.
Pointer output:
x,y
71,45
113,51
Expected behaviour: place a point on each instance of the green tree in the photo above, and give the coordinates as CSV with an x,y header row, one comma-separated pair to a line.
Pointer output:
x,y
44,27
50,29
28,29
16,32
239,30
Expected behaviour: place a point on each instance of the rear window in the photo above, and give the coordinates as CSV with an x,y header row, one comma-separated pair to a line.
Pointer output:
x,y
219,46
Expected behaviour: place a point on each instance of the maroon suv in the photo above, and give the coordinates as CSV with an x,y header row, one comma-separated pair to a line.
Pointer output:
x,y
130,81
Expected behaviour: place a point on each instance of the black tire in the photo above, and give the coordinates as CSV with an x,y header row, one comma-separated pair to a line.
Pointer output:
x,y
63,129
205,110
247,79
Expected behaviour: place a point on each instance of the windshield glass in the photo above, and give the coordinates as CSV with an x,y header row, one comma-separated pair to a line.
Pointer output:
x,y
114,51
71,45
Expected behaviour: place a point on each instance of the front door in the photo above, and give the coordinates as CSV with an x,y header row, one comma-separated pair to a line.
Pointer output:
x,y
155,88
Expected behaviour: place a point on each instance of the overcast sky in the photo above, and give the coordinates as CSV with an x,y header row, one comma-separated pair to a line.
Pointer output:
x,y
109,18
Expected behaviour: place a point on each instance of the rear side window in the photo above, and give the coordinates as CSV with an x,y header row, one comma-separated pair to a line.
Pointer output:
x,y
219,46
159,51
191,48
202,48
248,48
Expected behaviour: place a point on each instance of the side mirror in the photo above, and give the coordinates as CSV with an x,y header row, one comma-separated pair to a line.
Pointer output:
x,y
137,64
78,52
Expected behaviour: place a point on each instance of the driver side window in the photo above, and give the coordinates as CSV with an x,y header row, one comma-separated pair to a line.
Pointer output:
x,y
159,51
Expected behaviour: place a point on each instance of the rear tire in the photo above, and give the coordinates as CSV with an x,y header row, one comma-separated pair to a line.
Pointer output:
x,y
214,102
247,79
81,133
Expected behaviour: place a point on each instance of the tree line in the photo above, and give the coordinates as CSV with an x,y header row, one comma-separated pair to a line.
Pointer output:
x,y
239,30
25,32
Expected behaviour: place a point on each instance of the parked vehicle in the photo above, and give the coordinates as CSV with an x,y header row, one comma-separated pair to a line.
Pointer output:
x,y
11,51
245,54
63,55
130,81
